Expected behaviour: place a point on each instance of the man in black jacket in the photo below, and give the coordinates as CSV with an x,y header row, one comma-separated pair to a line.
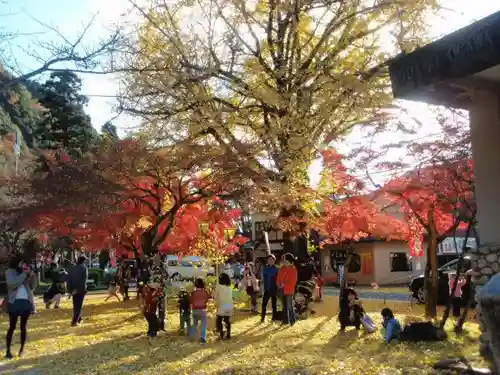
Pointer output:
x,y
77,287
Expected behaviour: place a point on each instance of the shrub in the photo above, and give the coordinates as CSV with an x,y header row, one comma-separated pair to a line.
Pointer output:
x,y
96,274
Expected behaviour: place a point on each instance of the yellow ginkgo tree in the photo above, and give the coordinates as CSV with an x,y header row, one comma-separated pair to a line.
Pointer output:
x,y
270,81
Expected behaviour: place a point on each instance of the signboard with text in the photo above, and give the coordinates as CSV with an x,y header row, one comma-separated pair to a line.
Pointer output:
x,y
452,245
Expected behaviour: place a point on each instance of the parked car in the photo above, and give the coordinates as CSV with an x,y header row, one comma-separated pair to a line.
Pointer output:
x,y
187,268
416,285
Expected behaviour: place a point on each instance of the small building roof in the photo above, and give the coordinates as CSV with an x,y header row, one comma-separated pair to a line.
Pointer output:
x,y
439,72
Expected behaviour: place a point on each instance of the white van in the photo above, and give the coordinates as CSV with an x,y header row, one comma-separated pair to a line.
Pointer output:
x,y
187,268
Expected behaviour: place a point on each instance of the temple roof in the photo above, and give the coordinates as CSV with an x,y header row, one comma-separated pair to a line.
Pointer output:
x,y
442,72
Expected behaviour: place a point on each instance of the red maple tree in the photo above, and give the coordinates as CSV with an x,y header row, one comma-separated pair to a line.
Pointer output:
x,y
349,213
436,200
430,178
359,217
130,196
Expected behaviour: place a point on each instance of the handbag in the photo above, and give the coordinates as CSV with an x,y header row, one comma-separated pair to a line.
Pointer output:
x,y
4,306
368,324
256,286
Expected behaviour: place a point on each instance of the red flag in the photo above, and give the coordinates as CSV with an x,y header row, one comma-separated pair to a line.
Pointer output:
x,y
415,236
112,258
415,242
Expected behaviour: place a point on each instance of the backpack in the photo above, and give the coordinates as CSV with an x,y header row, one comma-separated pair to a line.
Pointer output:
x,y
422,331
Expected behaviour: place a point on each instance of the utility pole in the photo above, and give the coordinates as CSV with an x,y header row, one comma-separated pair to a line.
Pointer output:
x,y
17,151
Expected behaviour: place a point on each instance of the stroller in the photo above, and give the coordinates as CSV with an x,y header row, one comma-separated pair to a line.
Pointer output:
x,y
305,289
304,295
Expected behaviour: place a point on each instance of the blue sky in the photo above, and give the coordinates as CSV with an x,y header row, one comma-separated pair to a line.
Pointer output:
x,y
69,16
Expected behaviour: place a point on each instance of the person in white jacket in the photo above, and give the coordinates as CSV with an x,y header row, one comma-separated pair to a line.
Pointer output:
x,y
224,303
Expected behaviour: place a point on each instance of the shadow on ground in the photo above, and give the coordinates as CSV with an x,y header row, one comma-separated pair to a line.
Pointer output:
x,y
112,341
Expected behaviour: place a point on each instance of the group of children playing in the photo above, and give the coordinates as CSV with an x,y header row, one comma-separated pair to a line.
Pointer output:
x,y
193,308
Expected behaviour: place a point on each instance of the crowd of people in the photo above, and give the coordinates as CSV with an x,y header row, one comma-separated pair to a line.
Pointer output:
x,y
279,283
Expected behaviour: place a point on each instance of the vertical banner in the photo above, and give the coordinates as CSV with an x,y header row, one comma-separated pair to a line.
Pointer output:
x,y
341,274
112,258
415,245
416,238
266,237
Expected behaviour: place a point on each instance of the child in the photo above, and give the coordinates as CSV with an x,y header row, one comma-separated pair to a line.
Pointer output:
x,y
113,289
320,283
287,281
199,300
150,307
184,312
251,285
224,304
351,309
456,299
391,325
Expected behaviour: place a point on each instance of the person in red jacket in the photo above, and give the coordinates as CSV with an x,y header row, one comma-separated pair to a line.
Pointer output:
x,y
286,282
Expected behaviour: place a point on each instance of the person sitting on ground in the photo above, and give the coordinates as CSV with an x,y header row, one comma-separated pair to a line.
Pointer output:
x,y
184,304
351,309
224,304
54,294
286,283
391,325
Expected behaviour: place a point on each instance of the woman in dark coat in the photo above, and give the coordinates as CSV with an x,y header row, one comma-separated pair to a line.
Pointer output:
x,y
351,309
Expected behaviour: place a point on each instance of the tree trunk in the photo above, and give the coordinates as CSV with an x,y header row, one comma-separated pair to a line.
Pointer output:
x,y
431,283
103,259
147,243
343,282
431,277
288,243
427,281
